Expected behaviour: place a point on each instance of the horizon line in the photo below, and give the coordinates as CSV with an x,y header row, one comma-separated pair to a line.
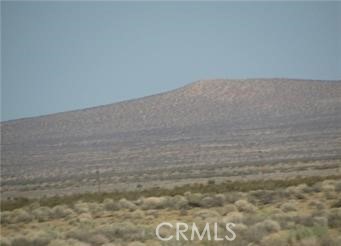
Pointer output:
x,y
159,93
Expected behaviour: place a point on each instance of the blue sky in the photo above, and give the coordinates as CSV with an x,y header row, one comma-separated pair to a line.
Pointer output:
x,y
60,56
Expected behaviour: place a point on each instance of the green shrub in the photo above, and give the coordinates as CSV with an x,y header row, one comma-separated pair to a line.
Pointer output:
x,y
302,232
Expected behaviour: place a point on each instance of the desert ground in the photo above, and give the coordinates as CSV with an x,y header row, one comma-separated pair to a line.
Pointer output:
x,y
297,212
263,154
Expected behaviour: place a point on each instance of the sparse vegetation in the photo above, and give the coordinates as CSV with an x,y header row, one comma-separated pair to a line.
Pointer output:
x,y
262,216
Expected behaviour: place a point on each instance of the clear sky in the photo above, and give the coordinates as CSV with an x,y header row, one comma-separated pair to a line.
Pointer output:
x,y
60,56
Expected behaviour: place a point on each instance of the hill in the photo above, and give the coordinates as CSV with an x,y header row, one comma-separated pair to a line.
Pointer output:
x,y
213,128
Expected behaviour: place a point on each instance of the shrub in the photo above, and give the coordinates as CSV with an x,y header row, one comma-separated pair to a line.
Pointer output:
x,y
320,221
183,212
125,231
194,199
311,220
261,229
82,234
291,190
338,186
233,217
137,214
21,215
329,182
136,244
206,213
316,204
297,191
21,241
286,220
5,241
61,211
212,201
308,242
123,203
245,206
33,205
232,197
263,196
270,225
36,239
337,204
81,207
328,240
239,228
317,187
155,203
302,232
179,202
227,209
152,212
306,220
302,188
255,233
85,218
326,187
334,218
277,239
68,242
42,214
330,195
289,206
110,205
6,217
42,238
96,209
98,239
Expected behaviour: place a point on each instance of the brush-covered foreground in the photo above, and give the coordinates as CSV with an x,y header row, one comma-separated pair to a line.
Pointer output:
x,y
306,214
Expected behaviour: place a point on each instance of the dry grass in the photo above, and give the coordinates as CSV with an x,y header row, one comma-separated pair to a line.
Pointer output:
x,y
295,215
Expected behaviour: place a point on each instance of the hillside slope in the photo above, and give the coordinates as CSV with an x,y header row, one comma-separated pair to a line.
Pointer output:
x,y
214,122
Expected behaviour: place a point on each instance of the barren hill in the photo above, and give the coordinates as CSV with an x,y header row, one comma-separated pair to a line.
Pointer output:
x,y
202,130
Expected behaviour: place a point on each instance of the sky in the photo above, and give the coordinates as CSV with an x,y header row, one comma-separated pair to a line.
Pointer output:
x,y
61,56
